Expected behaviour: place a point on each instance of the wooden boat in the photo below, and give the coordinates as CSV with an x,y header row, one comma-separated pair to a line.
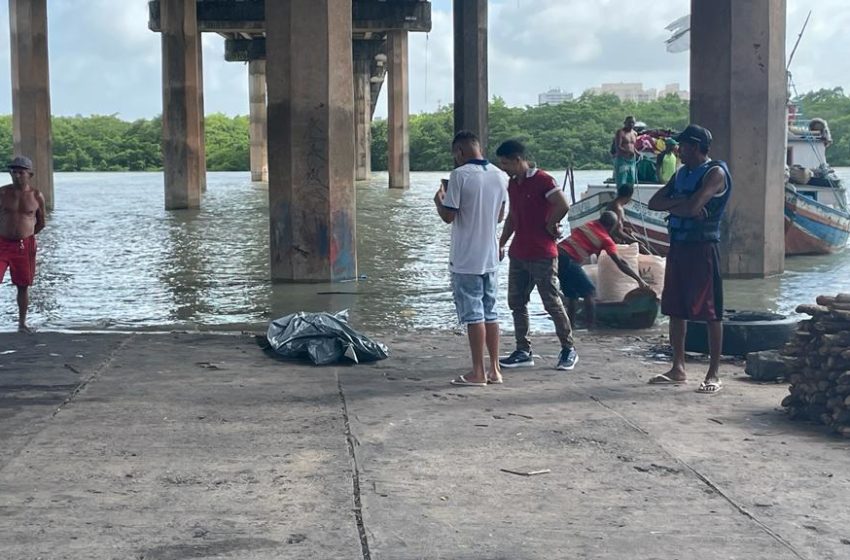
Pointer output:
x,y
817,220
811,227
638,310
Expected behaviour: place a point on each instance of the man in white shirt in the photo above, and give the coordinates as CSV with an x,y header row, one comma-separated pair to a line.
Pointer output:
x,y
474,203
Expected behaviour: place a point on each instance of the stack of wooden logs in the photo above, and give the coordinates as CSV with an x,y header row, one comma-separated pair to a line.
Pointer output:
x,y
819,356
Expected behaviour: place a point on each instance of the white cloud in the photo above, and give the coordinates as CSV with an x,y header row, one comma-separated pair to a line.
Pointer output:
x,y
105,60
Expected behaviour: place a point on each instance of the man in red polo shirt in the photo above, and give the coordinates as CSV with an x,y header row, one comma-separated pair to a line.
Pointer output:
x,y
537,207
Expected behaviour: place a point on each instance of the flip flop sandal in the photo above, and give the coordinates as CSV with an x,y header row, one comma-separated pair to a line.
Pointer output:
x,y
710,387
461,381
663,379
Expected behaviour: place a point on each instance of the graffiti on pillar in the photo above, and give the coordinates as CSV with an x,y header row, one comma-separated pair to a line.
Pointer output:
x,y
343,250
316,159
281,236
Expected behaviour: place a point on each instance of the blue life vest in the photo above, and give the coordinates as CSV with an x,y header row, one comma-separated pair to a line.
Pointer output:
x,y
687,182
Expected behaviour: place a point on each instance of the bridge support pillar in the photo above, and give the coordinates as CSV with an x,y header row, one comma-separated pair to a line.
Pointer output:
x,y
181,104
311,142
258,121
738,92
31,130
470,68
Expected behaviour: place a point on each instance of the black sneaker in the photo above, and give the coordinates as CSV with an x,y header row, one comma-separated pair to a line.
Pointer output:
x,y
567,359
519,358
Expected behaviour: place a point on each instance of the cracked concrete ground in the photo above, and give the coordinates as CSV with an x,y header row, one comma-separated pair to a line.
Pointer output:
x,y
146,446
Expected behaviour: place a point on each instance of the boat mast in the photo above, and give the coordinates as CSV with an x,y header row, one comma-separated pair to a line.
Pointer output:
x,y
797,42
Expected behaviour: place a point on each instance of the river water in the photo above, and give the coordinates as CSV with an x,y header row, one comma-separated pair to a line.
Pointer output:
x,y
113,258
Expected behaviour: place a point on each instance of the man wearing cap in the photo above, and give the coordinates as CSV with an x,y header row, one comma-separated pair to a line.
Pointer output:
x,y
696,198
21,217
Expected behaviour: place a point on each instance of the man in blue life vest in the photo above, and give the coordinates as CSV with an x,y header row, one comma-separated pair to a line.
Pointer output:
x,y
696,198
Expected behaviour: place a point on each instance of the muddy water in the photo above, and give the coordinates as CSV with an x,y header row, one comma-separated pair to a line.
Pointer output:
x,y
111,257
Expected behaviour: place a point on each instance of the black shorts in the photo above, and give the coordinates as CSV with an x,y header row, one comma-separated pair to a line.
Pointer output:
x,y
693,288
574,281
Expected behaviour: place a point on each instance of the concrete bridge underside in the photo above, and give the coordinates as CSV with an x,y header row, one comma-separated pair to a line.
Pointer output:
x,y
322,62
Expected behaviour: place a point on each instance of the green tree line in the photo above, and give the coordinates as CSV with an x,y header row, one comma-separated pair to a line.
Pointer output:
x,y
576,133
107,143
579,133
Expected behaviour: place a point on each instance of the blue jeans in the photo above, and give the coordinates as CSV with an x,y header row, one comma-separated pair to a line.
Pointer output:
x,y
475,297
574,281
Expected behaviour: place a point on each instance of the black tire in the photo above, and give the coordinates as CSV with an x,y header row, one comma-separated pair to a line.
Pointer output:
x,y
744,332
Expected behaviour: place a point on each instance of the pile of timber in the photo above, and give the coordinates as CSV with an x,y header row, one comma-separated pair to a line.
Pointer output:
x,y
819,359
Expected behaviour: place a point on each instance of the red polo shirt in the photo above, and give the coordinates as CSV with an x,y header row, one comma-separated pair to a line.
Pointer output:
x,y
589,239
529,211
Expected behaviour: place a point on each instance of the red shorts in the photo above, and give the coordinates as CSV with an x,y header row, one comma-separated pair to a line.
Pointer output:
x,y
18,256
693,288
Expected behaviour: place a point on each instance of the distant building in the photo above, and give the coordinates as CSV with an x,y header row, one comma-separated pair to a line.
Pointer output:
x,y
554,97
635,92
673,89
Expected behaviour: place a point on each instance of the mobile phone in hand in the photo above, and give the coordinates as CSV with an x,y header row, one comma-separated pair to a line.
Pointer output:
x,y
444,184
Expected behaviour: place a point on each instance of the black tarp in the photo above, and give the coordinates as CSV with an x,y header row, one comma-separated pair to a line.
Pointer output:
x,y
324,338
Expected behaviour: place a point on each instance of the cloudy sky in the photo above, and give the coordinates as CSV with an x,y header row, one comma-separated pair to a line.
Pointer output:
x,y
104,60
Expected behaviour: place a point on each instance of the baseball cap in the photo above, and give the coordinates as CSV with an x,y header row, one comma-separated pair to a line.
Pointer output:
x,y
696,134
671,142
20,162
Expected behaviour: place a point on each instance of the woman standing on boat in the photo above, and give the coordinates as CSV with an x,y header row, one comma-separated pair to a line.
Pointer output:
x,y
696,198
667,161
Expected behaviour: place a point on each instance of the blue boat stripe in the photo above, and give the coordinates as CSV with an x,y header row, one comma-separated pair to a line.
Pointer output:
x,y
830,234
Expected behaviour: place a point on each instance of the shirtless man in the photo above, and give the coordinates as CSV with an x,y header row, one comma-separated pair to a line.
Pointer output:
x,y
625,154
21,217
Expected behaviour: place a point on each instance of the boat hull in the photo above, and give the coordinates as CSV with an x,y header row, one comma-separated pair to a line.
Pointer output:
x,y
638,310
812,228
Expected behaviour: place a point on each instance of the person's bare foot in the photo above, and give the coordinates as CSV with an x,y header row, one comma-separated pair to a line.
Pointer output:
x,y
675,375
494,378
25,329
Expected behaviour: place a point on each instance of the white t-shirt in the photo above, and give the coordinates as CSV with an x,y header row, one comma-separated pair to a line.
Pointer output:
x,y
477,190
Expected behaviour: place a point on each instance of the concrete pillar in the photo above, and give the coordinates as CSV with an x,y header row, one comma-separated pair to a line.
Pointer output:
x,y
202,140
738,92
398,117
257,128
362,114
181,128
470,68
31,131
311,142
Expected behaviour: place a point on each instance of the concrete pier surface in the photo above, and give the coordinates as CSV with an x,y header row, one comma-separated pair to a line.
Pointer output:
x,y
173,446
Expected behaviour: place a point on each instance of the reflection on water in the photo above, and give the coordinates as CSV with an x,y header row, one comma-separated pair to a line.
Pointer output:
x,y
112,257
